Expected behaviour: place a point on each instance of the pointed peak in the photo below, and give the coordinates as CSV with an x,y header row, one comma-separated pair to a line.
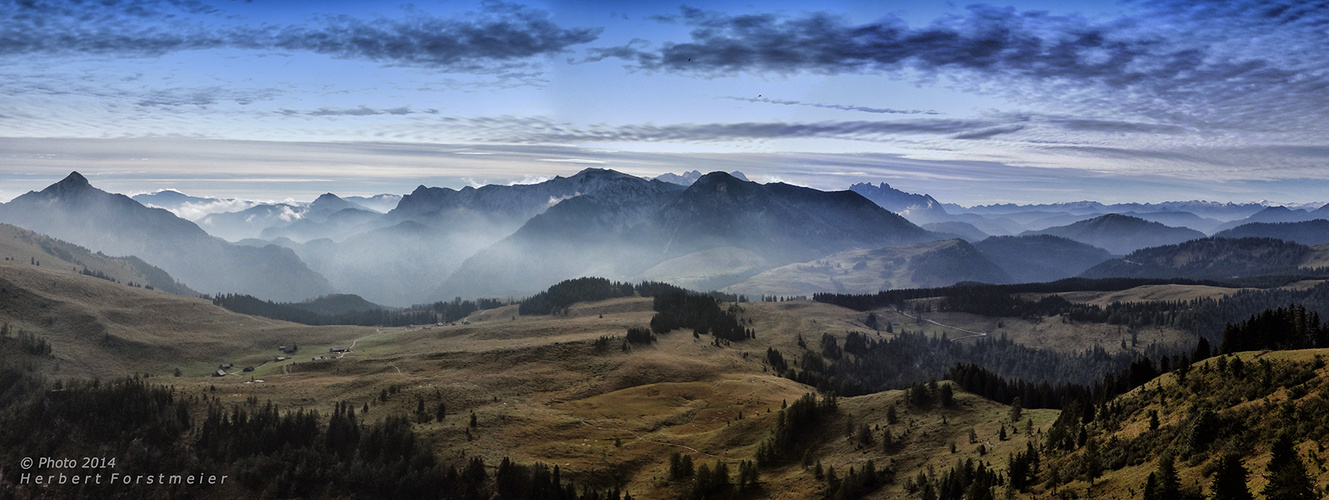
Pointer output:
x,y
325,197
71,185
75,179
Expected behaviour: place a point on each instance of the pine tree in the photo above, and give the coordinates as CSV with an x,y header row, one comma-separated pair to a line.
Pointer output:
x,y
1163,483
1230,479
1287,475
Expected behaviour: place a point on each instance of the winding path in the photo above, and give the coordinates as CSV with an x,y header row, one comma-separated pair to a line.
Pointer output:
x,y
956,328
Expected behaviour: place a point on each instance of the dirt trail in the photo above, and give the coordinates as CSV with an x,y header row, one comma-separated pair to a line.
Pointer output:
x,y
956,328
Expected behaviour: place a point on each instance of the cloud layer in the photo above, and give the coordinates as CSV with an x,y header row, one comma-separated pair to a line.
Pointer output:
x,y
498,36
1192,63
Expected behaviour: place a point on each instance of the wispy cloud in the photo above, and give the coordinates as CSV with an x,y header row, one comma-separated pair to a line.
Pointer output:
x,y
990,132
548,131
843,107
1241,64
495,38
360,111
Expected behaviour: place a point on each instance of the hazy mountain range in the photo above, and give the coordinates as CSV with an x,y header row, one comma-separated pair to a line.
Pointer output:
x,y
75,211
711,231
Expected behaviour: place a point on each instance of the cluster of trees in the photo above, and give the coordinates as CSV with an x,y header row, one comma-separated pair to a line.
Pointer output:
x,y
266,451
967,480
1275,329
558,298
639,335
1207,317
701,312
978,380
97,274
856,483
795,428
867,364
28,342
1023,467
442,311
897,298
712,483
1220,413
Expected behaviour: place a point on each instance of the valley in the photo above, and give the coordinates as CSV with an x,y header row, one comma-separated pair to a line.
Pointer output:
x,y
833,362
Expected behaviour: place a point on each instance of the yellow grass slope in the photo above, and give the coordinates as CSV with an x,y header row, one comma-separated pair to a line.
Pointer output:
x,y
105,329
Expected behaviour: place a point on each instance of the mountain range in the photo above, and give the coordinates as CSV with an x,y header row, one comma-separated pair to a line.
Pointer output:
x,y
711,231
653,232
75,211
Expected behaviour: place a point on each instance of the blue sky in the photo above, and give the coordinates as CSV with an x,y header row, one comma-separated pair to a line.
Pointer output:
x,y
1003,102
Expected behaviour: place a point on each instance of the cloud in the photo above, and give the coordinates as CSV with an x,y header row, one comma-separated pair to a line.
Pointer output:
x,y
198,210
989,133
498,38
844,107
1115,126
1184,64
547,131
988,38
202,97
361,110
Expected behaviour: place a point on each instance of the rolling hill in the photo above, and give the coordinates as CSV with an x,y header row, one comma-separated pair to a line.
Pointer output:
x,y
1038,258
1311,232
1121,234
1275,215
98,328
937,263
1209,258
19,245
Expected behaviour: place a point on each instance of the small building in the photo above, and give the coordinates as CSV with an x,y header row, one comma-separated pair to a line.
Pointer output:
x,y
248,369
279,359
336,350
225,366
219,373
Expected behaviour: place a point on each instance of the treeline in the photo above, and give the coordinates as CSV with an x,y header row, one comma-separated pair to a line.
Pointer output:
x,y
1206,317
867,364
886,298
561,296
266,452
675,307
679,308
443,311
28,342
1276,329
97,274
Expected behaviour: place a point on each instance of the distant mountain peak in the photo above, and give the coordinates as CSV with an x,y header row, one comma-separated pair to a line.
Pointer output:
x,y
72,184
920,208
75,178
598,172
716,176
691,176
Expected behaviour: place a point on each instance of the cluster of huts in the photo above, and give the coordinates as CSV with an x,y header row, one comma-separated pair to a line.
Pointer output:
x,y
285,349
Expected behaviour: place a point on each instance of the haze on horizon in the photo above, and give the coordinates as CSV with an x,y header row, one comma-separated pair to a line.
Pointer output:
x,y
1028,102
